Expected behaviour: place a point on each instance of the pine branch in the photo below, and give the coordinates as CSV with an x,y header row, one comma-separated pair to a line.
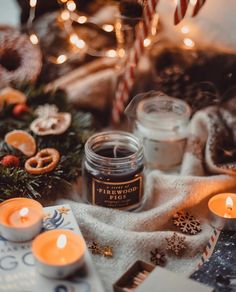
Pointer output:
x,y
16,181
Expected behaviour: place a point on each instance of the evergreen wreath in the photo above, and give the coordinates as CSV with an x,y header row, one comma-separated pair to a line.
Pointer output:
x,y
15,181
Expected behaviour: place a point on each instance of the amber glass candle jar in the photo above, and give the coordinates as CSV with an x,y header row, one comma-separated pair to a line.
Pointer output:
x,y
113,170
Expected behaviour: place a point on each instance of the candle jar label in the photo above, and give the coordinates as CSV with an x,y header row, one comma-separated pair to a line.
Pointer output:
x,y
117,194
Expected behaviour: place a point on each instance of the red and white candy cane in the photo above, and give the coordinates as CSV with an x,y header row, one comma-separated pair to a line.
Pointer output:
x,y
181,9
128,78
198,6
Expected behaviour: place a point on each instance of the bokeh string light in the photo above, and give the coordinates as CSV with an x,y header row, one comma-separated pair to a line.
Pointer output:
x,y
67,16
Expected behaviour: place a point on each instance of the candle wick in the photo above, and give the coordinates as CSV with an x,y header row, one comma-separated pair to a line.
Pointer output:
x,y
115,151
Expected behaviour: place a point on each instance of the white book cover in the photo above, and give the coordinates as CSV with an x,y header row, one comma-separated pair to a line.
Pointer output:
x,y
17,270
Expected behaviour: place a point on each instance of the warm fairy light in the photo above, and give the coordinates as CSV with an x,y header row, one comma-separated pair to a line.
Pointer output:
x,y
24,213
229,203
33,3
111,53
61,241
121,53
65,15
229,207
146,42
188,42
71,6
61,59
193,2
108,27
63,1
155,22
185,29
75,40
82,19
34,39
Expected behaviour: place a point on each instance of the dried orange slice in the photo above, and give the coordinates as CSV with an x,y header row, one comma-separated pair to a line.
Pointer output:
x,y
22,141
11,96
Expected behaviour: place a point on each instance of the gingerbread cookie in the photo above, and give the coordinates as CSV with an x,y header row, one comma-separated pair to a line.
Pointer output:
x,y
44,161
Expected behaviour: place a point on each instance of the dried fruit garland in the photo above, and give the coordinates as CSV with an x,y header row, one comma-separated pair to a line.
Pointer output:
x,y
65,135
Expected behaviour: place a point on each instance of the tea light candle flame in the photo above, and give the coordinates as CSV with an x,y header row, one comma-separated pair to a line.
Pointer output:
x,y
229,207
24,213
61,241
229,203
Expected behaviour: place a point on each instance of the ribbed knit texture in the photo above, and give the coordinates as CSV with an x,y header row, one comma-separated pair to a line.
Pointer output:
x,y
205,171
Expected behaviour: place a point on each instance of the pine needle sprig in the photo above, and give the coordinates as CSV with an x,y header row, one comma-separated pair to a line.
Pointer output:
x,y
16,181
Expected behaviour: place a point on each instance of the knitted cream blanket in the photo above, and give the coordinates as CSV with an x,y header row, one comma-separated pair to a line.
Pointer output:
x,y
208,167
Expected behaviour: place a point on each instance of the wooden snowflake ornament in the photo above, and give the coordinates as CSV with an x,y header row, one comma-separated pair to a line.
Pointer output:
x,y
176,244
187,223
158,257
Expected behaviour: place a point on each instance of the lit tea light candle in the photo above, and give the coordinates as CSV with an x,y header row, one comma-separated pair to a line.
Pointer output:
x,y
20,219
58,253
223,211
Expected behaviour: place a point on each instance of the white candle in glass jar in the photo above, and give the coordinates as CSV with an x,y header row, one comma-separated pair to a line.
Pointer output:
x,y
162,124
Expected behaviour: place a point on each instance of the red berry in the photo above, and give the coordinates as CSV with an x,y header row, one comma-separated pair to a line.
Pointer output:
x,y
10,160
19,109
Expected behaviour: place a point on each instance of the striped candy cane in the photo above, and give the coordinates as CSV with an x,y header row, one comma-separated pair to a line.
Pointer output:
x,y
198,6
136,52
180,11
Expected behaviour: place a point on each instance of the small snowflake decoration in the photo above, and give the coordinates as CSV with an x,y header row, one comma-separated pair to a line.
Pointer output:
x,y
95,248
63,210
176,243
107,251
187,223
158,257
46,110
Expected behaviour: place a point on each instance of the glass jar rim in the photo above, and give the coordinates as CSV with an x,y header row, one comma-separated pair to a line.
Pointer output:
x,y
152,103
106,136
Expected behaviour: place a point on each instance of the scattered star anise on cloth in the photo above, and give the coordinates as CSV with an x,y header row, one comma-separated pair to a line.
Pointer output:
x,y
95,248
176,243
158,257
106,251
187,223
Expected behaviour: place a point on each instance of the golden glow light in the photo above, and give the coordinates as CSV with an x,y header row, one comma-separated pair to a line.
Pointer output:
x,y
146,42
185,29
33,3
65,15
189,43
61,59
34,39
111,53
71,6
63,1
24,212
229,203
108,27
61,241
121,53
75,40
82,19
